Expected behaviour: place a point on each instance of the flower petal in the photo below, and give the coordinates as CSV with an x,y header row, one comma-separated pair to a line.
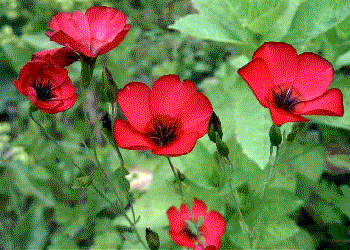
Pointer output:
x,y
330,104
169,94
213,228
315,74
64,39
199,209
280,116
182,146
118,39
129,138
256,74
195,114
134,100
65,104
182,239
281,60
176,222
105,22
185,212
74,25
61,57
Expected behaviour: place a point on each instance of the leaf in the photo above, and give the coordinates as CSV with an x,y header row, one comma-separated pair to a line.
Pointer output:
x,y
17,53
277,231
82,182
314,18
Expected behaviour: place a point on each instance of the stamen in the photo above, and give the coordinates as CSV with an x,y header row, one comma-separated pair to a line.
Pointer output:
x,y
283,100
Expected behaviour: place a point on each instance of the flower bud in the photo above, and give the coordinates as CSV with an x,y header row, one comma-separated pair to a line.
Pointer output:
x,y
214,126
110,88
152,239
275,135
106,122
221,146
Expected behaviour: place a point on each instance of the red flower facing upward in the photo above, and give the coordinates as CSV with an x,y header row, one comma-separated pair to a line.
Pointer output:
x,y
292,85
167,119
61,57
208,234
92,34
48,87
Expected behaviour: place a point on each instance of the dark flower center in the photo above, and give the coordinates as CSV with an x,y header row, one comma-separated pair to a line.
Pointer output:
x,y
163,130
282,98
43,91
189,233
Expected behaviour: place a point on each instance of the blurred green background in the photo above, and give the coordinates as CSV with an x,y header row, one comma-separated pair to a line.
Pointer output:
x,y
39,209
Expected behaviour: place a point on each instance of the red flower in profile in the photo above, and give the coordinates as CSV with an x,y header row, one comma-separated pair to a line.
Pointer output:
x,y
292,85
167,119
61,57
208,234
48,87
92,34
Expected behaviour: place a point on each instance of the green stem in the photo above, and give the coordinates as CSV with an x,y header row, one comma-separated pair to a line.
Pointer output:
x,y
177,177
244,225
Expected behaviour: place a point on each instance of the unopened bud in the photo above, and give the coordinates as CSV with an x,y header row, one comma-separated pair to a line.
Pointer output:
x,y
275,135
221,146
152,239
110,88
214,126
106,122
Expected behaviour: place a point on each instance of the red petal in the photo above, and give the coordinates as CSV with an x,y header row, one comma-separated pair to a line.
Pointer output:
x,y
57,76
73,25
176,222
129,138
314,77
65,104
65,91
182,239
182,146
185,212
281,60
79,46
211,247
118,39
105,22
280,117
330,103
199,209
134,100
61,57
213,228
256,74
169,94
195,114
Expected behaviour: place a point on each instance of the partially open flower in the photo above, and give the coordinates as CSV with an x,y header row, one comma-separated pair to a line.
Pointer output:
x,y
48,87
209,226
61,57
92,34
167,119
292,85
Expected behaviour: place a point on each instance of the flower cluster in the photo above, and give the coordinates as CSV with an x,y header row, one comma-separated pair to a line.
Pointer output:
x,y
44,80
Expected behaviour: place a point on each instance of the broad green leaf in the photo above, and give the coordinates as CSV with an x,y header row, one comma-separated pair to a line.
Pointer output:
x,y
311,164
40,41
82,182
108,239
62,241
280,202
314,18
17,53
277,231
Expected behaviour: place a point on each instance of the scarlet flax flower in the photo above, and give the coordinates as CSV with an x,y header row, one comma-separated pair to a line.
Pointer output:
x,y
167,119
94,33
292,85
47,86
208,235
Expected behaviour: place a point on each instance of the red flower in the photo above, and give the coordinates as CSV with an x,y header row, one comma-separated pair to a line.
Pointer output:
x,y
209,233
167,119
48,87
291,85
92,34
61,57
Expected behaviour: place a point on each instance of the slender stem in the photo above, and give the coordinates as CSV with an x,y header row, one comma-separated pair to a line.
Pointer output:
x,y
92,183
244,225
177,177
114,144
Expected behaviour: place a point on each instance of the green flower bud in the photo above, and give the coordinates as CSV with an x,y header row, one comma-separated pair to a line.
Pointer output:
x,y
110,88
152,239
275,135
221,146
214,126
